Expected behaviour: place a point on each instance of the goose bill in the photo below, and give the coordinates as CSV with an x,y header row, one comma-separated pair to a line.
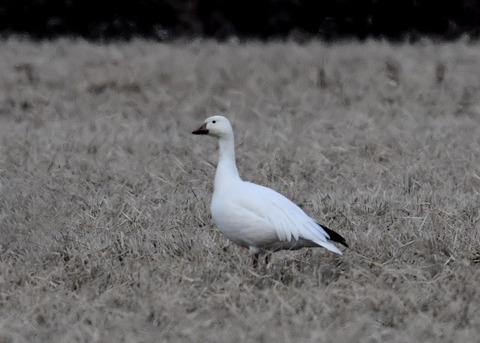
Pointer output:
x,y
202,130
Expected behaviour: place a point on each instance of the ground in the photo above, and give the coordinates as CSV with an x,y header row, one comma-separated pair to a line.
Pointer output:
x,y
106,234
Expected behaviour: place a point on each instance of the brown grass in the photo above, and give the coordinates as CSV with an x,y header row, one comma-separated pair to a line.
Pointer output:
x,y
106,234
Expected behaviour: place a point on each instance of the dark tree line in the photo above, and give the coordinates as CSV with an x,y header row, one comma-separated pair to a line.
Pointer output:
x,y
167,19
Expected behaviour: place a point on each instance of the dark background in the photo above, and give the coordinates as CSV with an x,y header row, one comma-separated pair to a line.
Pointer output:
x,y
245,19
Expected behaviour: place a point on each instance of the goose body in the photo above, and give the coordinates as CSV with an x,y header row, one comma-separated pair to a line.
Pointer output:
x,y
254,216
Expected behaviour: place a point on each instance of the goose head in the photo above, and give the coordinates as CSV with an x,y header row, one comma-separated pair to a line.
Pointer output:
x,y
216,126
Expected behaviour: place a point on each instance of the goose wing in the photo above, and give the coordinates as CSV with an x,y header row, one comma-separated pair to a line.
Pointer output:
x,y
285,219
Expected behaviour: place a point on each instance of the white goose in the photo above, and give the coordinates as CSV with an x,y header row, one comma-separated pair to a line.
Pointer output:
x,y
254,216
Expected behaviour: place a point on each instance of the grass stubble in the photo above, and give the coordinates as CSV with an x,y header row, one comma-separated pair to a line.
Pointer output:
x,y
106,234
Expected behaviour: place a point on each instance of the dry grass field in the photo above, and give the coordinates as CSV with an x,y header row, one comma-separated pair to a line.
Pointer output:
x,y
105,229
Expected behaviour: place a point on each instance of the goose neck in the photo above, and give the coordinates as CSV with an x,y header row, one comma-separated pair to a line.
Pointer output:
x,y
226,168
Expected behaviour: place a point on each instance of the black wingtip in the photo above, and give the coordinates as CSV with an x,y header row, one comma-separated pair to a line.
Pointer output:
x,y
335,237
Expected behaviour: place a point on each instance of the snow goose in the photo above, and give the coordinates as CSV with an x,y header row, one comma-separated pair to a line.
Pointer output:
x,y
254,216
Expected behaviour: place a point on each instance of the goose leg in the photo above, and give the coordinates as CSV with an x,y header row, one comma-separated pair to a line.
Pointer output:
x,y
267,258
255,260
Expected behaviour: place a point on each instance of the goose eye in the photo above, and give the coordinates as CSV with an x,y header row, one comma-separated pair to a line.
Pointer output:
x,y
214,121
